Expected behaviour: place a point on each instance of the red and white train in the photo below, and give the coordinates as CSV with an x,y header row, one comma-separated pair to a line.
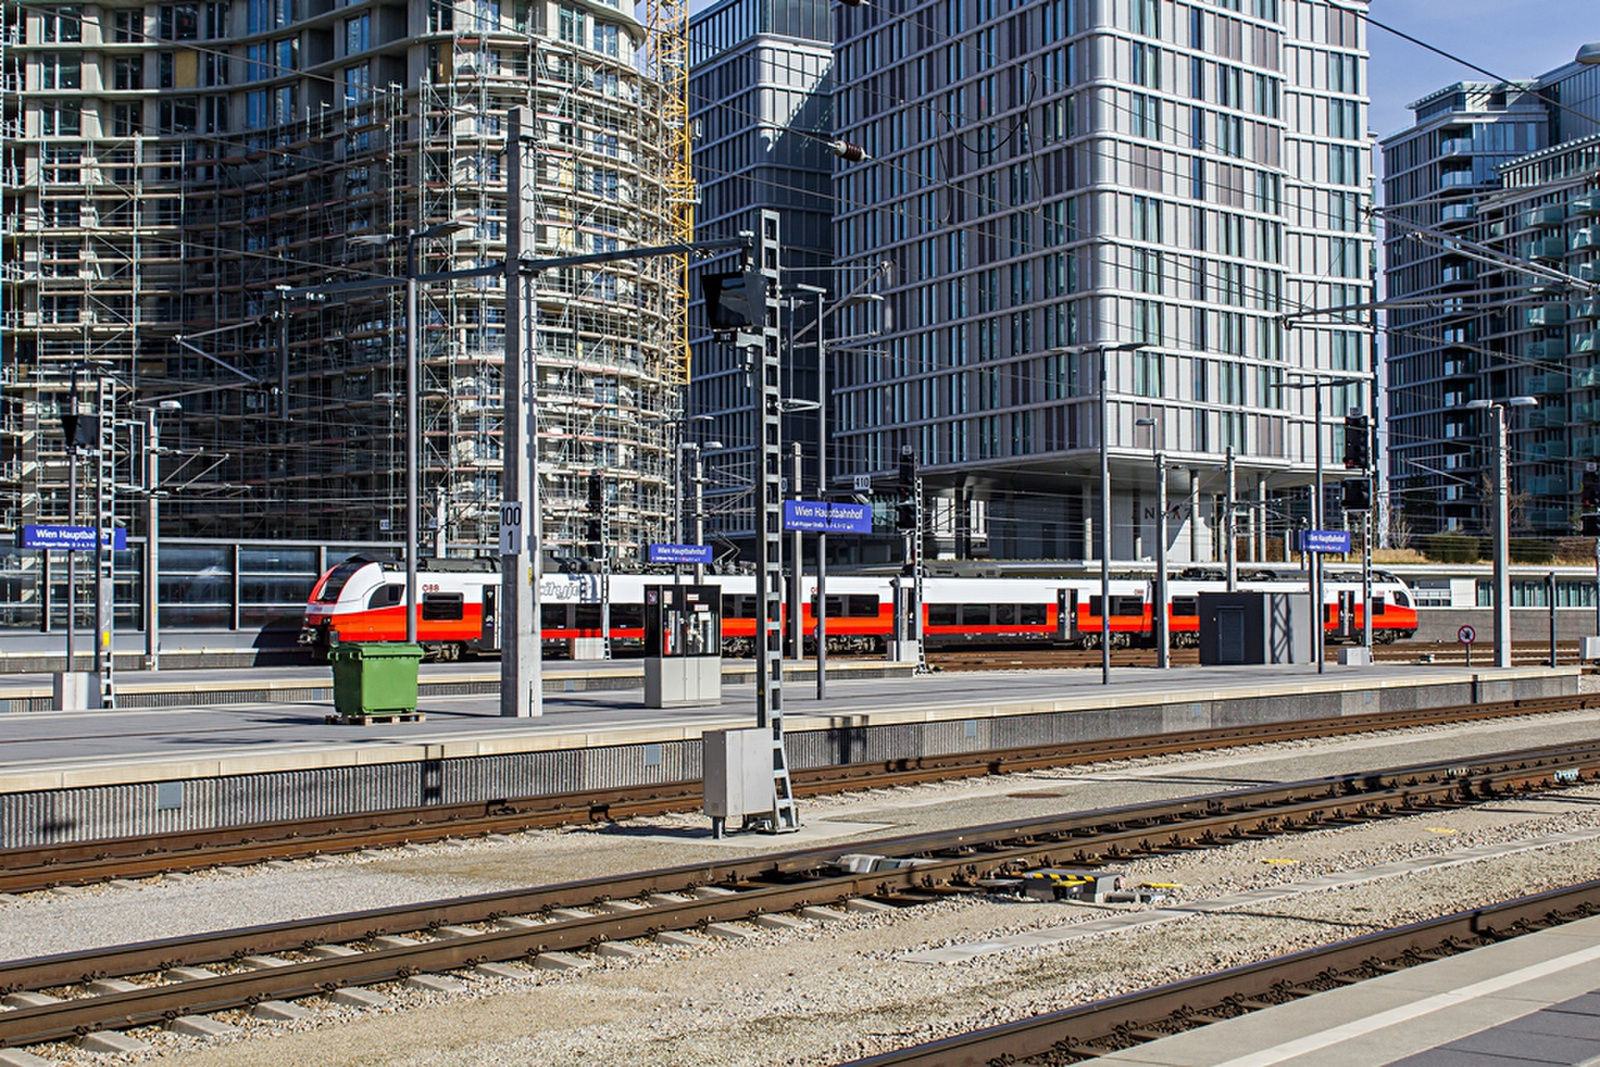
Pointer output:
x,y
363,599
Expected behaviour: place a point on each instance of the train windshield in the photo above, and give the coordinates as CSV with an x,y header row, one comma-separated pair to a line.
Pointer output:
x,y
337,579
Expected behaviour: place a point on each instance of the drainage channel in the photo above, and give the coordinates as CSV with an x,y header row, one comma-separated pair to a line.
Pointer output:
x,y
25,870
163,982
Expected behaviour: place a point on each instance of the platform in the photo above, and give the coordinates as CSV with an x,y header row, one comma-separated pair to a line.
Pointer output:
x,y
77,775
1531,1000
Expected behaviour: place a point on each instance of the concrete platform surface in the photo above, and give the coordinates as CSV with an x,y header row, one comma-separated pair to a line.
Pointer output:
x,y
65,750
1531,1000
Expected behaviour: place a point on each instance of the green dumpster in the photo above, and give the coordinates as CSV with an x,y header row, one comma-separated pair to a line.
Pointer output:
x,y
375,679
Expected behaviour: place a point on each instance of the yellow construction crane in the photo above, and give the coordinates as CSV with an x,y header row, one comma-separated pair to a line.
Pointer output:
x,y
667,26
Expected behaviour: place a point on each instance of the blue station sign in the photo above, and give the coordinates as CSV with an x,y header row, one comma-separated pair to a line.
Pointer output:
x,y
1325,541
680,553
70,538
823,516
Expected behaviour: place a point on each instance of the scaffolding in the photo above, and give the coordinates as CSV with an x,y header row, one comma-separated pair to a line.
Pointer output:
x,y
207,266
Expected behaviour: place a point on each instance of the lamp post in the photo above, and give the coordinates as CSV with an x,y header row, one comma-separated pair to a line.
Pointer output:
x,y
697,477
1316,380
152,530
413,434
1105,497
821,615
1502,520
1163,634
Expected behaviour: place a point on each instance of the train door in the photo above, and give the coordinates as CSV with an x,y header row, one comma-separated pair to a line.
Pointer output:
x,y
489,636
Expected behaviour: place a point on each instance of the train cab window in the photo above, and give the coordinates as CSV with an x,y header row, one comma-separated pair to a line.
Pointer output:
x,y
387,596
1185,605
977,614
1032,614
1005,614
1400,600
443,607
861,607
941,614
337,579
553,616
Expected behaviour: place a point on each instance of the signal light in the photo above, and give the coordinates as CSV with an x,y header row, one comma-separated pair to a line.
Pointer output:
x,y
1590,526
735,301
906,483
1355,494
595,524
1591,487
1357,442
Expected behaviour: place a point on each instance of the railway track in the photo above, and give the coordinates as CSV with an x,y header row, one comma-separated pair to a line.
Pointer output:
x,y
162,982
1092,1030
76,864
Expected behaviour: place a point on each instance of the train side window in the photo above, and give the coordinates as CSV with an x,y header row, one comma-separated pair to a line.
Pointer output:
x,y
861,607
1377,605
630,616
387,596
1094,605
1005,614
941,614
443,607
552,616
1185,605
738,607
1127,605
976,614
586,616
1032,614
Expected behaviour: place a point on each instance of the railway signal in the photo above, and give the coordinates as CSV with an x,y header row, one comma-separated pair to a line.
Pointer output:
x,y
1357,442
906,487
1591,500
1355,494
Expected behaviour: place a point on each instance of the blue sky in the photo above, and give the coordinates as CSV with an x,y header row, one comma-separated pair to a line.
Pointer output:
x,y
1513,38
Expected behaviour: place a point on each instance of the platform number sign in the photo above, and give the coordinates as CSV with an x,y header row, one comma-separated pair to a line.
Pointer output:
x,y
510,528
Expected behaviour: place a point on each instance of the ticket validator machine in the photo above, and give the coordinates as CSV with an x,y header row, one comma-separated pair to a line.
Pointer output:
x,y
682,645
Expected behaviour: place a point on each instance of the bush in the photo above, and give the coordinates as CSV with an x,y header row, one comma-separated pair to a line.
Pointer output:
x,y
1531,550
1451,548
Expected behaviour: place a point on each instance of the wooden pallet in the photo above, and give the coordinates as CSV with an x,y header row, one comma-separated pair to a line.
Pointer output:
x,y
376,717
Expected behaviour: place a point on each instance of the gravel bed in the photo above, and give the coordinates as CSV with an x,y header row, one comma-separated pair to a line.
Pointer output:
x,y
836,990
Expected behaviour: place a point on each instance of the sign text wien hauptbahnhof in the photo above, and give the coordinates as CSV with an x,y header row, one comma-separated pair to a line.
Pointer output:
x,y
70,538
680,553
822,516
1325,541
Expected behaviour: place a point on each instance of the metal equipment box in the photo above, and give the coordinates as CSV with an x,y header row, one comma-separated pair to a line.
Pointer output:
x,y
738,775
1254,627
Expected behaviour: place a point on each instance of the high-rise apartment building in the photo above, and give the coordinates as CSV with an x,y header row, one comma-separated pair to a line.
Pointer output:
x,y
196,193
761,96
1492,225
1053,176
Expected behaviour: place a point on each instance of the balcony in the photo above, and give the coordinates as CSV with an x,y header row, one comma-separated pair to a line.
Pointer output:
x,y
1455,146
1455,213
1548,215
1548,485
1586,342
1585,205
1545,248
1588,237
1586,309
1547,317
1545,384
1583,412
